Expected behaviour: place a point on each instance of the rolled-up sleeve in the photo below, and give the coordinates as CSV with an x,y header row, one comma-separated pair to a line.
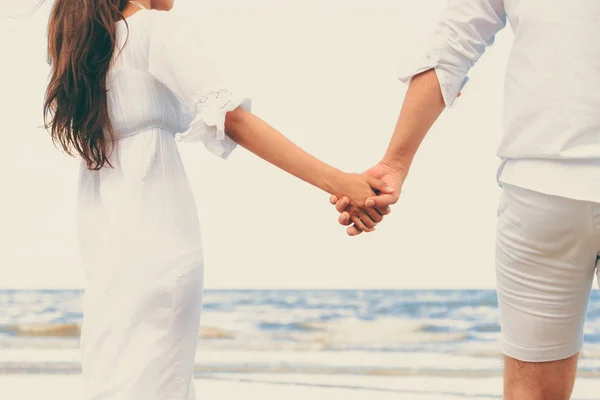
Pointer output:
x,y
466,29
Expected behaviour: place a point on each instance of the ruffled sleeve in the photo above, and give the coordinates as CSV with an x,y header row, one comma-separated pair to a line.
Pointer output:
x,y
177,60
466,29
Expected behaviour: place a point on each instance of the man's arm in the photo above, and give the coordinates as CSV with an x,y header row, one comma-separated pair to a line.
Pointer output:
x,y
461,37
422,106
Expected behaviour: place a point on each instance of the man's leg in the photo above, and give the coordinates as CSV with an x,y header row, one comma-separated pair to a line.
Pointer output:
x,y
553,380
546,252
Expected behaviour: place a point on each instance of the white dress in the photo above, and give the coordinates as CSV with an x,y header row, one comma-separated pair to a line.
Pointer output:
x,y
138,226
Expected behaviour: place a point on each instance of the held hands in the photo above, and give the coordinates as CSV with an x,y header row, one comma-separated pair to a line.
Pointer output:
x,y
355,189
364,218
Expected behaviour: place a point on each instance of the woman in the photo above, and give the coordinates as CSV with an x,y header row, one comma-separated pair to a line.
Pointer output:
x,y
126,82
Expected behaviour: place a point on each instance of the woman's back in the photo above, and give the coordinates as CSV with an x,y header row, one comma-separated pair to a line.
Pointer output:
x,y
139,232
137,100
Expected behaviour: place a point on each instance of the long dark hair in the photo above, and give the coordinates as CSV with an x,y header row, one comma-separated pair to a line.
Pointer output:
x,y
81,42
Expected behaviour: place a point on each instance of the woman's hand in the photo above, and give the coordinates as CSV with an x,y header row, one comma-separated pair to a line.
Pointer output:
x,y
355,189
263,140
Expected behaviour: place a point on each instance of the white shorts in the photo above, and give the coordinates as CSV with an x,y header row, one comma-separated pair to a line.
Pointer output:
x,y
547,251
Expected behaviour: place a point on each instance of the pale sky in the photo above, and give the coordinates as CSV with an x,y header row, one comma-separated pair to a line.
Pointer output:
x,y
324,73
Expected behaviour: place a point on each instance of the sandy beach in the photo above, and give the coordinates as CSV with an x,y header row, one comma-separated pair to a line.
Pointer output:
x,y
257,387
293,387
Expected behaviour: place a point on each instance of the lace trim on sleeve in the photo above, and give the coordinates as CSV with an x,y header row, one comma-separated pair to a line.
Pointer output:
x,y
208,125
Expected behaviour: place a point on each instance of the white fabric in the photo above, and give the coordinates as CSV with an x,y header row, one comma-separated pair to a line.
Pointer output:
x,y
551,87
574,179
138,227
547,251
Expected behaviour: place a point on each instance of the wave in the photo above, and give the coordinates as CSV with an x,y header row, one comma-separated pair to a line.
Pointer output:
x,y
339,335
215,333
591,354
377,333
203,370
74,331
43,330
252,368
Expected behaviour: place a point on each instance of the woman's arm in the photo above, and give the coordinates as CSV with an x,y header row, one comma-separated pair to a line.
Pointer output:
x,y
260,138
263,140
222,118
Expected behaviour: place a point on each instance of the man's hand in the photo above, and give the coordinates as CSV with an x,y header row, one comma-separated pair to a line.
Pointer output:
x,y
392,177
422,105
357,189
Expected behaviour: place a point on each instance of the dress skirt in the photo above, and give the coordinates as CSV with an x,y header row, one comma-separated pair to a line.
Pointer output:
x,y
141,248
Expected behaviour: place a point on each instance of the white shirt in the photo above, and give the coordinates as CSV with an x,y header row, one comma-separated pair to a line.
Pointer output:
x,y
551,123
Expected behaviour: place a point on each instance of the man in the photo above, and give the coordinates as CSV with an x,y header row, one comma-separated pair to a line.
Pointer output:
x,y
548,236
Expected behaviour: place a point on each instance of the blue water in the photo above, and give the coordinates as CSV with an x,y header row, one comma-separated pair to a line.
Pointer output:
x,y
391,329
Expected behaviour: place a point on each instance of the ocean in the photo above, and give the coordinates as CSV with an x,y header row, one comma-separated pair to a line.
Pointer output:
x,y
445,333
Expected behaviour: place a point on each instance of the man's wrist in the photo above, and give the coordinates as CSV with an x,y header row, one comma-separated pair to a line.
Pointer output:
x,y
397,165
